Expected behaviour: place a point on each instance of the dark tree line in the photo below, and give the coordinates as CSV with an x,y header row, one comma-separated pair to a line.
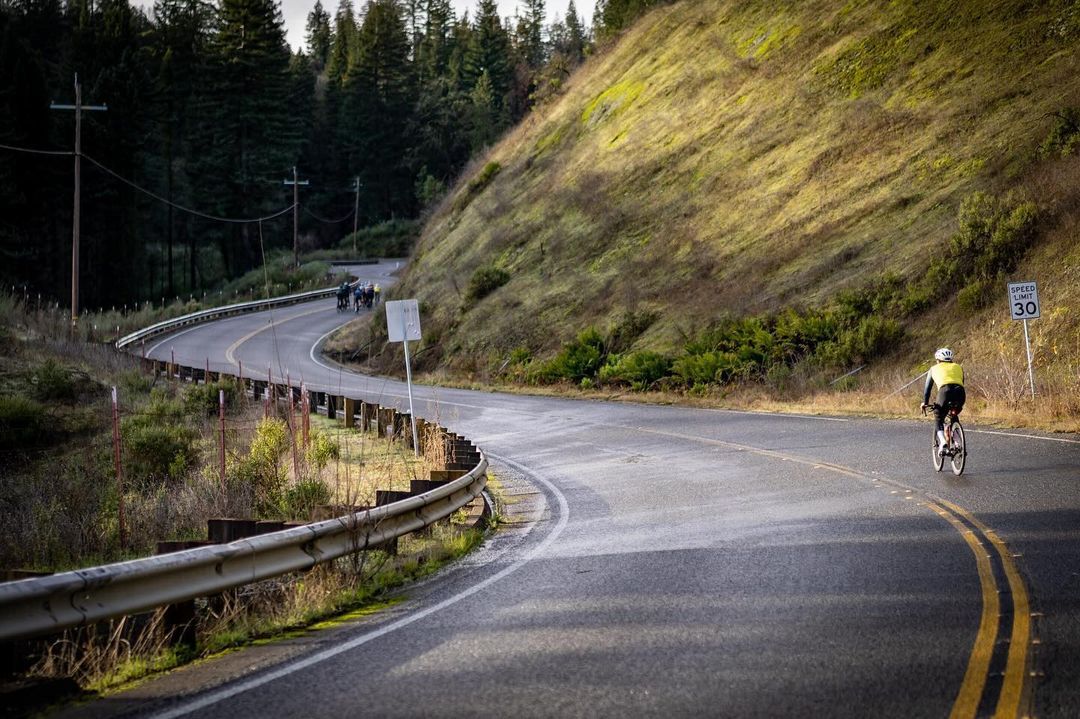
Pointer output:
x,y
612,16
209,109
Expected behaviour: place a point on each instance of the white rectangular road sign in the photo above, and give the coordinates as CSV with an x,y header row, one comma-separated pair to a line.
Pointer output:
x,y
1023,300
403,320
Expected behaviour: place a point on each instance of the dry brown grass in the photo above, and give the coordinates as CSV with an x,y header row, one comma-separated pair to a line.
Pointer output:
x,y
367,463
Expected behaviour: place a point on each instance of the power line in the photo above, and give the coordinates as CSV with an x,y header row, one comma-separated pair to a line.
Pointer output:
x,y
62,153
159,198
328,222
203,215
296,182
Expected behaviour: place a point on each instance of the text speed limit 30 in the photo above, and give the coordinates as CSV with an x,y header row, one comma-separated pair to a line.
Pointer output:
x,y
1023,300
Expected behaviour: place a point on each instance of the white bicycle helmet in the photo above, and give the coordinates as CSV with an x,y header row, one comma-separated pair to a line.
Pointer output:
x,y
943,355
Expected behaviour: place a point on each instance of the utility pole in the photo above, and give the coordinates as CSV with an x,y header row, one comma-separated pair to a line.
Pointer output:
x,y
356,212
295,215
78,107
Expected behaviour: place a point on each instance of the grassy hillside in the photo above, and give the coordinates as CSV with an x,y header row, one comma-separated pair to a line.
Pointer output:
x,y
732,159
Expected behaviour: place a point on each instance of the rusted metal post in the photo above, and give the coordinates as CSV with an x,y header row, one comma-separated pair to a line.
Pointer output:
x,y
305,414
291,421
119,472
221,416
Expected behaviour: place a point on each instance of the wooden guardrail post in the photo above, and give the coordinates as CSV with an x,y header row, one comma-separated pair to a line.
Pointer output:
x,y
350,412
179,620
365,416
225,530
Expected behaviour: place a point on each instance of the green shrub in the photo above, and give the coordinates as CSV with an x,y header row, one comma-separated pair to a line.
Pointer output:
x,y
872,337
52,381
798,335
23,424
202,400
428,188
321,449
263,471
1064,137
163,409
578,360
975,295
156,452
393,238
640,370
484,177
705,368
993,237
477,185
135,382
301,499
520,356
485,281
158,444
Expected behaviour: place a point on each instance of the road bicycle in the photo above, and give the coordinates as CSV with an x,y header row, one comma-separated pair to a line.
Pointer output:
x,y
954,440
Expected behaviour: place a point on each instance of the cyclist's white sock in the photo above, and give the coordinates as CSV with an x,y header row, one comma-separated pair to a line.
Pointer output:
x,y
941,437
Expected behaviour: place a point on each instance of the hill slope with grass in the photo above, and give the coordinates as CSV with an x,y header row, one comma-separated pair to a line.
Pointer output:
x,y
771,193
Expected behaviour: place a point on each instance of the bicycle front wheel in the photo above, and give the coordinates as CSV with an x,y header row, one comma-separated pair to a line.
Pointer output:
x,y
936,456
959,449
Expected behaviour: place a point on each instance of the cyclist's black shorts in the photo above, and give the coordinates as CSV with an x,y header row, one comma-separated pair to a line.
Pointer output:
x,y
950,396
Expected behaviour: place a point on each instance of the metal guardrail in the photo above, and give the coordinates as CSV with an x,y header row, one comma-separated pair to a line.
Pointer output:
x,y
215,313
44,605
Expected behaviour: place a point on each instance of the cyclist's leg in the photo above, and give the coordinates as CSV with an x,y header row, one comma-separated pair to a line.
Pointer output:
x,y
940,411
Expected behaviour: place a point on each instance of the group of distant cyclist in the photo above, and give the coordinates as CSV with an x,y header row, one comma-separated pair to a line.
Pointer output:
x,y
364,295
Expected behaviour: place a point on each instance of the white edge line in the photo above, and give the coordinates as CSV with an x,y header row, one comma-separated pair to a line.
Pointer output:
x,y
318,342
255,682
383,392
1025,436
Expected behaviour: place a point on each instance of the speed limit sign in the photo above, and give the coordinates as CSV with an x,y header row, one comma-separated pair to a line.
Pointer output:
x,y
1023,300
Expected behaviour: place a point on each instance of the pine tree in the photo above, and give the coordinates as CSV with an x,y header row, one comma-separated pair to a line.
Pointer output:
x,y
489,52
484,117
460,41
252,142
378,102
343,44
33,227
532,34
109,55
181,35
433,52
575,36
318,35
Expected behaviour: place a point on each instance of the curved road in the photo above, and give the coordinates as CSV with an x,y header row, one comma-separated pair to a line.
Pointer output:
x,y
667,561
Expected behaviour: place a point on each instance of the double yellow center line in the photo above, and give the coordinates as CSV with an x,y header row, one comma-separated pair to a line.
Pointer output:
x,y
978,695
975,692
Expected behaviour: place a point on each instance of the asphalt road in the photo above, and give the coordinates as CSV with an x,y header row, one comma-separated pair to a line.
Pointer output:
x,y
685,562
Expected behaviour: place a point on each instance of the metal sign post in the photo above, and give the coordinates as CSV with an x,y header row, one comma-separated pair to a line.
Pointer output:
x,y
1024,306
402,325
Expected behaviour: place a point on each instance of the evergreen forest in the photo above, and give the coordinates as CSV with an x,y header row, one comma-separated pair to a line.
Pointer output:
x,y
208,112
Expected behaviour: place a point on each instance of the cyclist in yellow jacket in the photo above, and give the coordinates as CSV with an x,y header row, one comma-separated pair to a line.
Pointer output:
x,y
949,378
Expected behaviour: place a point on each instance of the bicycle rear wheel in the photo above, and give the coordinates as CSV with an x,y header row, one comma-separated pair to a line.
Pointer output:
x,y
936,456
959,449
